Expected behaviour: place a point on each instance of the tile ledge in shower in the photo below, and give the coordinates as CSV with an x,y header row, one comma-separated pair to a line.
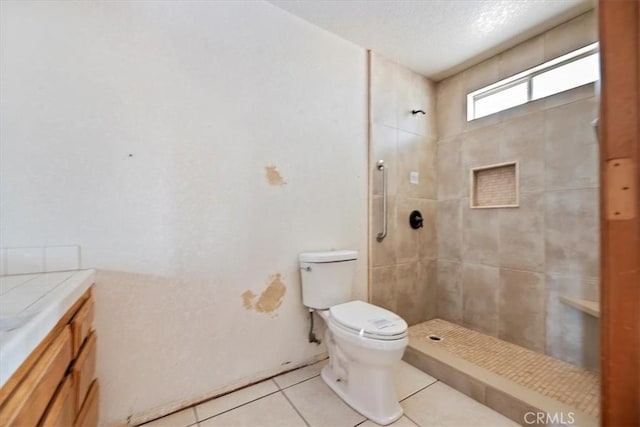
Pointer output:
x,y
590,307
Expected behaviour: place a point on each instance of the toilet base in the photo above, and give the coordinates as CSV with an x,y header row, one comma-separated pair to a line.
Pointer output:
x,y
339,387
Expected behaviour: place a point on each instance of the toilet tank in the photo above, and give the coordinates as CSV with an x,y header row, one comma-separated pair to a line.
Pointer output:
x,y
327,277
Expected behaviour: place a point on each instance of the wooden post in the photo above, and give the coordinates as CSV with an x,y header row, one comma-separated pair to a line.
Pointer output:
x,y
619,25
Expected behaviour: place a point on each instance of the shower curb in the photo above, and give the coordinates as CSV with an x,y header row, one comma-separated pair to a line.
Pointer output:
x,y
510,399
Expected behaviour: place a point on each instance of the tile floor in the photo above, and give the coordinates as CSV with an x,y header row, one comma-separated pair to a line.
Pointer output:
x,y
301,398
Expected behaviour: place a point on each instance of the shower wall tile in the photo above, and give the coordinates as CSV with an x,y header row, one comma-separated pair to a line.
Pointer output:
x,y
572,122
451,107
383,91
571,35
427,235
383,253
522,110
522,308
482,74
480,235
481,147
428,281
415,92
404,266
416,291
384,146
574,286
449,229
521,231
571,150
569,96
451,175
522,57
416,154
428,168
572,336
490,120
383,287
480,291
572,167
572,232
407,288
493,265
407,237
523,139
449,294
565,328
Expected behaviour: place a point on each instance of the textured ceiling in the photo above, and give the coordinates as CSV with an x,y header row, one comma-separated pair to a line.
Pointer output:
x,y
436,38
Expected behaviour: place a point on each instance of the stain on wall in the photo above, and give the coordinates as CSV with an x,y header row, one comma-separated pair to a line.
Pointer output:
x,y
270,299
273,176
247,299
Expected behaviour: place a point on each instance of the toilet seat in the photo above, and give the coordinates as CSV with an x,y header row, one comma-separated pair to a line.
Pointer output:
x,y
367,321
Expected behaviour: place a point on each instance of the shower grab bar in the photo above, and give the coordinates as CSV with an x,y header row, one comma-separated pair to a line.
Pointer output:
x,y
381,167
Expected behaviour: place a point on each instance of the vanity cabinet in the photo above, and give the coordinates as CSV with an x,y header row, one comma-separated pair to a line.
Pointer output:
x,y
56,385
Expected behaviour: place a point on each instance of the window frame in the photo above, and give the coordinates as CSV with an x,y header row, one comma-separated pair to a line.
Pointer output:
x,y
527,77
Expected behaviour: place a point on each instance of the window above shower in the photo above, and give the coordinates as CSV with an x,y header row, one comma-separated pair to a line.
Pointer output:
x,y
569,71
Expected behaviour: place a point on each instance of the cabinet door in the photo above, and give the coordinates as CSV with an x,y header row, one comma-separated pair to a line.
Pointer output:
x,y
81,324
30,399
88,416
84,369
61,412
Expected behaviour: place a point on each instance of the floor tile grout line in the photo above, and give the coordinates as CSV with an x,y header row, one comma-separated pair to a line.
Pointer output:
x,y
411,419
239,406
294,408
195,411
423,388
295,384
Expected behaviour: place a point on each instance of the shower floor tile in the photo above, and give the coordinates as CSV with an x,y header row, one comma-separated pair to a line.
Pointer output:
x,y
561,381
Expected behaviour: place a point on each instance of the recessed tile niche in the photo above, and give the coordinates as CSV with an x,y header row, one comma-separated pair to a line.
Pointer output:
x,y
495,186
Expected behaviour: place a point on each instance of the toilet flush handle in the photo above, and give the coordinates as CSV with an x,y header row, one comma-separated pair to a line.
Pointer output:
x,y
307,268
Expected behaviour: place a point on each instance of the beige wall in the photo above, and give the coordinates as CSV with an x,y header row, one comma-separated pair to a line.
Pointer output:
x,y
500,271
152,135
403,274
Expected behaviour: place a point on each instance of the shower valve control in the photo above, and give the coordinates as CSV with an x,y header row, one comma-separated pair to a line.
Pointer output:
x,y
415,220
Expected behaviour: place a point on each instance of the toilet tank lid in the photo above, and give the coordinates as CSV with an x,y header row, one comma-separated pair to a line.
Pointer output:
x,y
329,256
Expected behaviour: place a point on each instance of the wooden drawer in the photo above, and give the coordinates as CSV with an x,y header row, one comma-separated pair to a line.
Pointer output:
x,y
28,402
88,416
84,369
61,411
82,324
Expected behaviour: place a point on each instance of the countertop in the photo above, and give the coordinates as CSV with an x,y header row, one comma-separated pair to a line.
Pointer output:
x,y
30,306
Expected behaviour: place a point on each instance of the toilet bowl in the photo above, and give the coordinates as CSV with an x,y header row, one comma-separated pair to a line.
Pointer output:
x,y
365,343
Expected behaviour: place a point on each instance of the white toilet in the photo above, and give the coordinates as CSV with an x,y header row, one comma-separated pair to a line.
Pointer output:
x,y
365,342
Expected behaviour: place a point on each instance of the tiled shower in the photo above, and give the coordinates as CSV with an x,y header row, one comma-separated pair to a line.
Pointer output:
x,y
503,272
